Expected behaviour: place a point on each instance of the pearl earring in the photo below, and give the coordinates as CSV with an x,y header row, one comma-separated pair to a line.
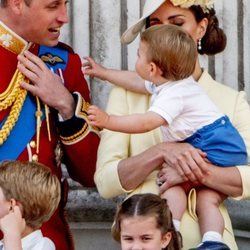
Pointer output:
x,y
199,45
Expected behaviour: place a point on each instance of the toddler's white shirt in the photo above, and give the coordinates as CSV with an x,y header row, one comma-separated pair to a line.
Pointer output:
x,y
185,107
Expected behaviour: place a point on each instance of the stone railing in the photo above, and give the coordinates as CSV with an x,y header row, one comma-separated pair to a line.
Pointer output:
x,y
86,205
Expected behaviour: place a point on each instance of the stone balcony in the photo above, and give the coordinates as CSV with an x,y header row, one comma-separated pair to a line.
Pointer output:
x,y
90,218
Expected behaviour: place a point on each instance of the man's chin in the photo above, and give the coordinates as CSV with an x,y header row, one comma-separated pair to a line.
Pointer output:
x,y
49,43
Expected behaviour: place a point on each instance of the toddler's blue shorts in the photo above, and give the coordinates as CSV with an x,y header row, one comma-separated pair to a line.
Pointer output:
x,y
222,143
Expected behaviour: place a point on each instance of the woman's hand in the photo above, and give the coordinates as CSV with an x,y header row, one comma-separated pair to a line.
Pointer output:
x,y
185,163
190,162
182,157
93,69
45,84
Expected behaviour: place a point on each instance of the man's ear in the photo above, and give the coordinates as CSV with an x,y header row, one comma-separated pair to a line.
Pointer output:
x,y
16,5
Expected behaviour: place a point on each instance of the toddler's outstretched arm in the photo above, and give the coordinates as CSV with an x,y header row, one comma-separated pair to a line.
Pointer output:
x,y
129,80
134,123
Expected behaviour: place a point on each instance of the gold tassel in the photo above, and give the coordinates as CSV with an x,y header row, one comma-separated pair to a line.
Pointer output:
x,y
38,114
47,120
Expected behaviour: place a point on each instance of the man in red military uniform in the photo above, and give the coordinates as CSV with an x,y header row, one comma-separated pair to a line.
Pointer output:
x,y
43,99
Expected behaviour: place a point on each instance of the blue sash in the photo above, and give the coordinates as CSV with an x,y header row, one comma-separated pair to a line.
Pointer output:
x,y
22,132
25,128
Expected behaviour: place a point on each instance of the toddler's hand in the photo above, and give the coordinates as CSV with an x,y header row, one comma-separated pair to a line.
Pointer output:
x,y
97,117
93,69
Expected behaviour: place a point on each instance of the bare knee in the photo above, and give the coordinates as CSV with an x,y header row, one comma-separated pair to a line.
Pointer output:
x,y
208,198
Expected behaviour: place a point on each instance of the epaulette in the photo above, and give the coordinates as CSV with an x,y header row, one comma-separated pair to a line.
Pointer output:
x,y
65,47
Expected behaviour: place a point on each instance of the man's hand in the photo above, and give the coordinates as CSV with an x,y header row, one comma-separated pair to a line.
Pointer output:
x,y
46,85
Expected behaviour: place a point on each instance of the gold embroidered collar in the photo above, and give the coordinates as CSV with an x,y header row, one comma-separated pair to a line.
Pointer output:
x,y
11,41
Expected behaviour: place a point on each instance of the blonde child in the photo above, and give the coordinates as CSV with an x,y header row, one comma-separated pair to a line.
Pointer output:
x,y
166,60
145,221
29,195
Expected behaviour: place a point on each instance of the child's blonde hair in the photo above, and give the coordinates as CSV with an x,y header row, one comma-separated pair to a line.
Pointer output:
x,y
172,50
34,187
147,205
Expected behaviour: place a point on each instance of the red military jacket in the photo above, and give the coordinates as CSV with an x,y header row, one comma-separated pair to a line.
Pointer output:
x,y
78,140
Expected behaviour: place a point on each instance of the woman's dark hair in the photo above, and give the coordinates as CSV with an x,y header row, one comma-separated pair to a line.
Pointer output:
x,y
147,205
214,41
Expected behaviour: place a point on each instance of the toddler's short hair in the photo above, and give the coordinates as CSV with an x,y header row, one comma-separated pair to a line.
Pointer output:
x,y
172,50
33,186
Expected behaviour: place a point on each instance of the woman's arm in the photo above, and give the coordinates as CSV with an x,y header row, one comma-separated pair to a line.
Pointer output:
x,y
225,180
176,154
146,162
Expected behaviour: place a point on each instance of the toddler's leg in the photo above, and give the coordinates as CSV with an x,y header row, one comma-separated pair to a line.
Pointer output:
x,y
177,202
211,221
210,217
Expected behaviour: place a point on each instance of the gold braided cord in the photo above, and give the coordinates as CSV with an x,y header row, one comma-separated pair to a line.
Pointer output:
x,y
9,96
14,113
10,88
15,96
39,115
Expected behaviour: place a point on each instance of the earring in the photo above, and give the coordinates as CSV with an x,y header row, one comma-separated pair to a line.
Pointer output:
x,y
199,45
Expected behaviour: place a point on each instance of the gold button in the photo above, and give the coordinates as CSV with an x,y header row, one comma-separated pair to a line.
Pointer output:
x,y
35,158
32,144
